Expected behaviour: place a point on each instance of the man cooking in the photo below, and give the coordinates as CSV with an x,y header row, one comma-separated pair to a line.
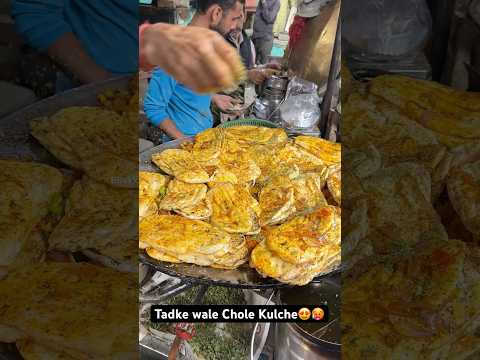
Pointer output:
x,y
175,108
83,36
179,51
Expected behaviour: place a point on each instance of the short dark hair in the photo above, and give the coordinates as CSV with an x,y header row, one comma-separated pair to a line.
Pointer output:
x,y
204,5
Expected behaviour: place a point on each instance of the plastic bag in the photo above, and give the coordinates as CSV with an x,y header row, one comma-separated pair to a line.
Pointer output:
x,y
298,85
385,27
301,111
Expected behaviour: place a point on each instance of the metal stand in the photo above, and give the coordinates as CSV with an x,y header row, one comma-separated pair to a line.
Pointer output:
x,y
202,290
329,122
157,287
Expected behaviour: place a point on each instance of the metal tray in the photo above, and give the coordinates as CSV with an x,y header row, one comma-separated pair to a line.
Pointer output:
x,y
15,139
243,277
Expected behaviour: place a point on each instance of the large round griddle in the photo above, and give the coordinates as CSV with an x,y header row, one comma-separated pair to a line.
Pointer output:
x,y
242,277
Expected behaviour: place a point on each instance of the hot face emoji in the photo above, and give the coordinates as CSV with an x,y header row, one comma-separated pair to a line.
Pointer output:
x,y
318,314
304,313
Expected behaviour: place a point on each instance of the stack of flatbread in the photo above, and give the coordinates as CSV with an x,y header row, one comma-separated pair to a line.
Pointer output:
x,y
30,205
68,240
296,251
176,239
233,184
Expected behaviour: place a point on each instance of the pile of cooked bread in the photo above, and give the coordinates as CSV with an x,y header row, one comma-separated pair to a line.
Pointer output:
x,y
123,101
68,240
411,229
246,194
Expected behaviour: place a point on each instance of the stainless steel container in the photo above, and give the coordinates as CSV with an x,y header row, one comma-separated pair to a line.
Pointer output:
x,y
292,343
310,341
268,105
276,83
272,102
271,96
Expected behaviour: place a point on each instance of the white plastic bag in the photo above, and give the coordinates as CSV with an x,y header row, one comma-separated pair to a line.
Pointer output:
x,y
298,86
301,111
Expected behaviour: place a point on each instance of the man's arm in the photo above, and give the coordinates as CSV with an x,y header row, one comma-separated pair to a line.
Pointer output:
x,y
43,25
157,97
70,54
196,57
169,127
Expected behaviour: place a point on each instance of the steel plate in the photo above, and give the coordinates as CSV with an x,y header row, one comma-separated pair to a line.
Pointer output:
x,y
242,277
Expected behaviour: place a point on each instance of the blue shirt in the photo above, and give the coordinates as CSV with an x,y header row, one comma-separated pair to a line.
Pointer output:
x,y
166,98
108,29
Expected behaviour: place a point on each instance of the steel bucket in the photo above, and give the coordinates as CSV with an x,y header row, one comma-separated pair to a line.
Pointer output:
x,y
310,341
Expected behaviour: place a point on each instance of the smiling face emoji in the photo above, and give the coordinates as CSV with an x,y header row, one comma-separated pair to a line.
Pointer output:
x,y
318,314
304,313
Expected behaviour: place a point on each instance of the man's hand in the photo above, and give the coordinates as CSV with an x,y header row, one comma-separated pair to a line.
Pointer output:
x,y
225,102
274,66
169,128
258,76
198,58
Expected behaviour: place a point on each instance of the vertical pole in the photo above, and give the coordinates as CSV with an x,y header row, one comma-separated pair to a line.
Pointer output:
x,y
332,87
